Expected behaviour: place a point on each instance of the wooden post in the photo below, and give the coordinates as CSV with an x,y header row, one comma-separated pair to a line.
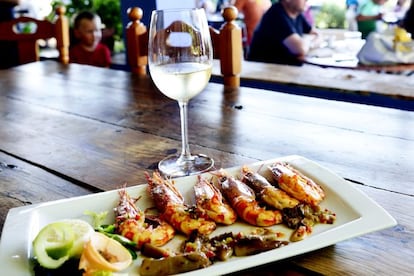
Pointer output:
x,y
62,35
137,42
230,48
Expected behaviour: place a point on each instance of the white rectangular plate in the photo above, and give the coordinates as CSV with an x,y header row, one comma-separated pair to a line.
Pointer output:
x,y
356,215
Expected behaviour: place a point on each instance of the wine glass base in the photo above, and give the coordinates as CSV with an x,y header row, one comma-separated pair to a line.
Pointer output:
x,y
174,166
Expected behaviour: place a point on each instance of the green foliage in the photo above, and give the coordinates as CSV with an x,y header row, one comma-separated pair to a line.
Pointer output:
x,y
110,12
330,16
73,7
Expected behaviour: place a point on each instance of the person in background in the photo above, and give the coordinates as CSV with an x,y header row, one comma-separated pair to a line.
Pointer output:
x,y
8,49
408,21
252,11
309,15
89,49
279,36
350,3
368,13
350,15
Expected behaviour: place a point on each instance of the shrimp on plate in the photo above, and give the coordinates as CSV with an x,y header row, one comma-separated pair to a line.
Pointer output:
x,y
170,203
132,223
243,200
296,184
271,195
210,202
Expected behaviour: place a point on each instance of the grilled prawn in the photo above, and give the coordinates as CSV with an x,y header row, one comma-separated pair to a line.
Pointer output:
x,y
210,202
267,192
133,224
297,185
170,203
243,200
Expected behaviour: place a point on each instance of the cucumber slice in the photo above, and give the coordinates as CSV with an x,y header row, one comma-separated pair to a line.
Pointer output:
x,y
52,244
61,240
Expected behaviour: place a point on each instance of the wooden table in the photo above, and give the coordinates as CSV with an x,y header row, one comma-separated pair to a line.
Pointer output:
x,y
343,53
349,85
73,130
344,84
346,61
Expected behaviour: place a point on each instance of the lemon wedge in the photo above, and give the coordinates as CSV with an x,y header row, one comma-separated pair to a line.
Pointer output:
x,y
102,253
61,240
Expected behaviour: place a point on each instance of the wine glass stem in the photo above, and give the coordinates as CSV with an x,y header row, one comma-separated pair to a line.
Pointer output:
x,y
185,148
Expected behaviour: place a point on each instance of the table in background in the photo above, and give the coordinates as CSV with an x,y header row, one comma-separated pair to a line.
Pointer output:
x,y
340,49
73,130
387,90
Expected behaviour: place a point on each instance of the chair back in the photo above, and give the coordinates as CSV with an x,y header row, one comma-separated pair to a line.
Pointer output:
x,y
227,45
26,31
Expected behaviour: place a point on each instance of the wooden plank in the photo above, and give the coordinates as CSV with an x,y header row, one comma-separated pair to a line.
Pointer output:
x,y
258,126
23,184
361,86
388,90
103,155
331,78
112,85
352,84
132,92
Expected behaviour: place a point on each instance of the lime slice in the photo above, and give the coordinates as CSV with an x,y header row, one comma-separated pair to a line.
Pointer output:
x,y
52,244
82,231
61,240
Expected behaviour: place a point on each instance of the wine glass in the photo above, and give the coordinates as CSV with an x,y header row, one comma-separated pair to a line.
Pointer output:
x,y
180,57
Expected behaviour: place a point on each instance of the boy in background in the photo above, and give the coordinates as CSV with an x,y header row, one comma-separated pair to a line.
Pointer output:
x,y
89,49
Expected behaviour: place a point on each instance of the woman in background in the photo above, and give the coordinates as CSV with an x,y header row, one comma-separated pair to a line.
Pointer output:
x,y
253,11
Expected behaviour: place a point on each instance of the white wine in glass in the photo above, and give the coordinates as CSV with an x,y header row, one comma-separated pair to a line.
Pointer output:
x,y
180,57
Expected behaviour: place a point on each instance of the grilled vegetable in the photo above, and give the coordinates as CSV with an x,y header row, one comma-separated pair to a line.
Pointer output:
x,y
174,264
251,245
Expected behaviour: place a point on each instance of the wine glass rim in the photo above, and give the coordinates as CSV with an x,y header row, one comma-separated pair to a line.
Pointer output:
x,y
177,9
